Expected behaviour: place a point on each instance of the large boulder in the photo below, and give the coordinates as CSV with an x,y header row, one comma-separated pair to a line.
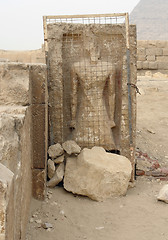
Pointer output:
x,y
97,174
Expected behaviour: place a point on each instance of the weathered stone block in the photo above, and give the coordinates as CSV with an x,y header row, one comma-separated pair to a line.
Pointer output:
x,y
14,82
151,58
162,65
39,183
154,51
39,138
145,65
55,150
97,174
38,84
141,51
141,57
165,51
6,203
139,65
71,147
153,65
58,176
162,58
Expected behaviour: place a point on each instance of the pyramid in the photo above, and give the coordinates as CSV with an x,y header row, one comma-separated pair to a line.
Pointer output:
x,y
151,18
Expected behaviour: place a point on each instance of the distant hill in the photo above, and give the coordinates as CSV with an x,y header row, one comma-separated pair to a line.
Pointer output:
x,y
151,18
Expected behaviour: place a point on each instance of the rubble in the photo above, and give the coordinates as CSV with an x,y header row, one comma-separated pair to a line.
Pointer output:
x,y
58,176
55,150
71,147
51,168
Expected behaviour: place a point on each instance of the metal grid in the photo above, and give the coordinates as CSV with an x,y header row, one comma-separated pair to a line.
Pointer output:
x,y
89,76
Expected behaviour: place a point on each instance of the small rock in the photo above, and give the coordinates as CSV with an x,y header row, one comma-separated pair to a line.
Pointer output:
x,y
71,147
62,212
38,221
51,168
47,225
150,131
55,150
99,228
31,220
59,159
58,176
163,194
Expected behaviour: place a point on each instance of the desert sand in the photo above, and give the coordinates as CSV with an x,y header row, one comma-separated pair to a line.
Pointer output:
x,y
138,215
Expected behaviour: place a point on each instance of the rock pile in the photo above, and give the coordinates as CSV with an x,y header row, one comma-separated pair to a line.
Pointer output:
x,y
89,172
56,163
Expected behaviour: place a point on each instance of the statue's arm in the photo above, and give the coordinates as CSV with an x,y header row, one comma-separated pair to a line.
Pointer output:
x,y
74,83
111,98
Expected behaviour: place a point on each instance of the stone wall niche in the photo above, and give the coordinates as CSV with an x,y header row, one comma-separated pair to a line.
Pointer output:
x,y
87,81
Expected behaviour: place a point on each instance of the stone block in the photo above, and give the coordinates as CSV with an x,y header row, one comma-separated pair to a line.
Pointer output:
x,y
39,138
58,176
145,65
153,65
141,57
141,51
165,51
161,44
6,203
39,183
97,174
38,84
154,51
162,58
139,65
14,82
162,65
151,58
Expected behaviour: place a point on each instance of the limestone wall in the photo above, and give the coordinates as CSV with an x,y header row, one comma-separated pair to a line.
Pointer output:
x,y
33,56
20,143
152,57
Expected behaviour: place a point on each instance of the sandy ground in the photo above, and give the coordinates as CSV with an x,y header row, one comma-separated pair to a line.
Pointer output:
x,y
138,215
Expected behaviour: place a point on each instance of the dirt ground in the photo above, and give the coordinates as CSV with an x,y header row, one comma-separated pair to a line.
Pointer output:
x,y
138,215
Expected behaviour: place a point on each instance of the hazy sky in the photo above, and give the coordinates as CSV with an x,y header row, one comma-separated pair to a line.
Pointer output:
x,y
21,25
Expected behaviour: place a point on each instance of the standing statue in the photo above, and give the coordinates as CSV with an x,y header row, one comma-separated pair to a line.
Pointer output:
x,y
92,112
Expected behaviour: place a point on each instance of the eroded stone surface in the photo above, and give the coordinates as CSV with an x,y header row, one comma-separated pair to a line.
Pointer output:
x,y
55,150
71,147
163,194
51,168
97,174
58,176
59,159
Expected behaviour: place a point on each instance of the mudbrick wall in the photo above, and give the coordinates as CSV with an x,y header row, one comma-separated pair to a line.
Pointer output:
x,y
23,90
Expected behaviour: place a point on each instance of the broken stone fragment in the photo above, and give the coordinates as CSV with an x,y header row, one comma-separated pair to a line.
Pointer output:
x,y
58,176
59,159
47,225
71,147
51,168
97,174
55,150
163,194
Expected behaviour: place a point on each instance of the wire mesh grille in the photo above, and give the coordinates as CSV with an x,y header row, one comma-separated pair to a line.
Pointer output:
x,y
90,53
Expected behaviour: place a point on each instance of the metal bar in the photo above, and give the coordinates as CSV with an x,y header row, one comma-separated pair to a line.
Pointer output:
x,y
87,16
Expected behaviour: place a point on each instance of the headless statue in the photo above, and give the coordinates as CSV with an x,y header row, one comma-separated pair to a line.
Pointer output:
x,y
92,113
